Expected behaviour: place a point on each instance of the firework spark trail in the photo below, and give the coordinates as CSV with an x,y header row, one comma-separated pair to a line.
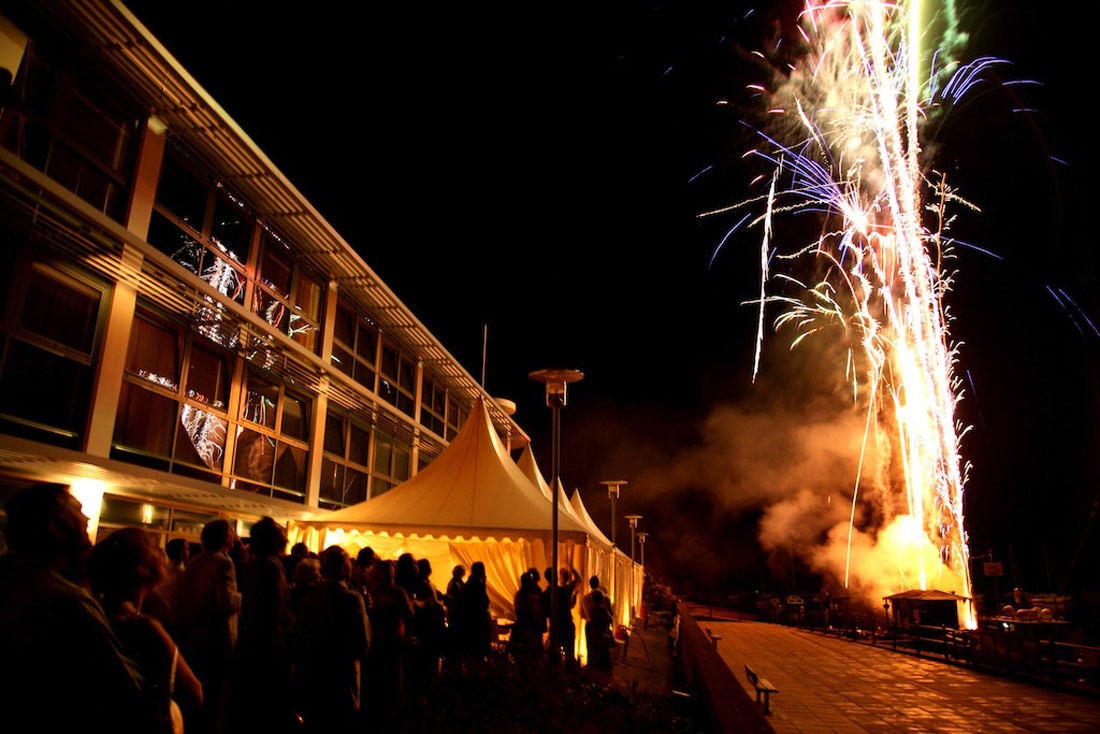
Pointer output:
x,y
857,105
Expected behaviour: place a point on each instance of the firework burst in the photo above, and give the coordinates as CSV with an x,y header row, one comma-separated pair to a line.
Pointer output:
x,y
845,144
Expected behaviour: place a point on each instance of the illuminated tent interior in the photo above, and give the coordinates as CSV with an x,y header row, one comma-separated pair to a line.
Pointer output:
x,y
473,503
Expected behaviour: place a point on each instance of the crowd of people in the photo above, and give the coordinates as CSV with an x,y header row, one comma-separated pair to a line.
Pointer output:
x,y
242,636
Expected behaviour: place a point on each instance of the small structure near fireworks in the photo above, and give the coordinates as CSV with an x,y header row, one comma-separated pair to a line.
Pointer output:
x,y
925,608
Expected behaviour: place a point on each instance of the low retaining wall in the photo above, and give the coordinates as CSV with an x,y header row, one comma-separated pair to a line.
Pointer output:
x,y
730,707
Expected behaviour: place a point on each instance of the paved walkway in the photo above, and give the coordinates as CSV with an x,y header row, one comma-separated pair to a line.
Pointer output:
x,y
831,685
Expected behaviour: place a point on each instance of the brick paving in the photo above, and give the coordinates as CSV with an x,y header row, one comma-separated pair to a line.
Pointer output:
x,y
831,685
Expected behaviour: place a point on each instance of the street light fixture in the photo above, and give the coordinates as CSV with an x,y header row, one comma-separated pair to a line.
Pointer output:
x,y
555,381
641,546
613,488
633,520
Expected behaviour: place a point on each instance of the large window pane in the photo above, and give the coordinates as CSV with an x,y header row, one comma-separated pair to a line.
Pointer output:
x,y
145,420
359,450
275,270
260,400
344,328
232,229
355,487
307,296
255,456
153,353
343,361
290,467
40,386
270,309
61,312
222,276
332,481
383,455
206,377
175,243
182,193
201,440
295,417
334,434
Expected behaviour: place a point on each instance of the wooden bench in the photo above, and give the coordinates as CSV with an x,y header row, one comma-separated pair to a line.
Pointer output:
x,y
762,685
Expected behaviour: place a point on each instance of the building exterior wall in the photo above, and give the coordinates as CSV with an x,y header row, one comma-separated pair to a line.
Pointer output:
x,y
179,339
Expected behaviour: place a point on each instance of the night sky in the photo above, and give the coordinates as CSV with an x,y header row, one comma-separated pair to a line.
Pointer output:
x,y
534,167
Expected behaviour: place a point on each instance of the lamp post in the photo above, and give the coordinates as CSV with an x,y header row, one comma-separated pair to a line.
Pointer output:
x,y
613,488
633,520
641,546
555,381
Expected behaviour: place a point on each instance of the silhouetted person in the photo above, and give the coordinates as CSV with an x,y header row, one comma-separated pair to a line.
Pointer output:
x,y
61,665
298,553
124,569
332,635
163,602
567,599
390,614
452,600
307,574
261,697
526,638
599,653
429,627
360,569
209,606
477,625
588,607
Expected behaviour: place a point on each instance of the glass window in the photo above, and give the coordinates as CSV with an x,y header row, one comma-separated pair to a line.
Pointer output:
x,y
206,377
389,362
364,375
307,297
367,343
42,387
343,361
182,193
334,434
344,328
260,401
295,417
359,449
175,243
401,456
153,353
231,230
61,311
271,309
118,511
202,438
355,484
255,457
332,481
383,455
275,270
145,421
290,467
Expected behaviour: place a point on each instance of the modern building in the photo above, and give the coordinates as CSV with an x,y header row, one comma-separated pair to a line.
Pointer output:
x,y
182,335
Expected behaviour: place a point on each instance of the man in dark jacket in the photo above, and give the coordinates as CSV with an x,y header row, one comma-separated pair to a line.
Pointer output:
x,y
331,637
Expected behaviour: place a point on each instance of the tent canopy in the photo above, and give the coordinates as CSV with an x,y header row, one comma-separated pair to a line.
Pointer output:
x,y
473,489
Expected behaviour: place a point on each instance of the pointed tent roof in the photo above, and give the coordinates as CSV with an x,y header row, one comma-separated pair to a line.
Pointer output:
x,y
530,469
582,512
471,489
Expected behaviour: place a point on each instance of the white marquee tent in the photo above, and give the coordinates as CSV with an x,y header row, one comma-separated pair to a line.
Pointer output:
x,y
473,503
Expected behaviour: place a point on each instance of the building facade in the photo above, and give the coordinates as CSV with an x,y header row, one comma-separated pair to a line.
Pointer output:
x,y
183,336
